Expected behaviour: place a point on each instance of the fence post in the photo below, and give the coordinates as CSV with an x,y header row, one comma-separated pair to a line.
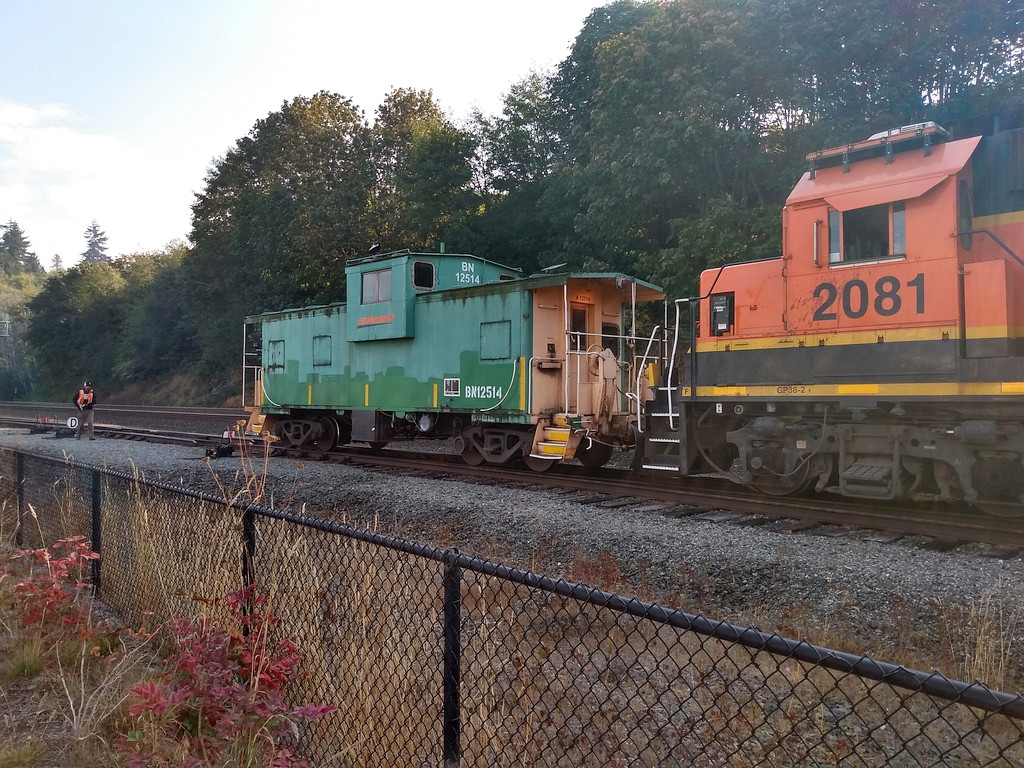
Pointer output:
x,y
97,532
452,658
19,536
248,546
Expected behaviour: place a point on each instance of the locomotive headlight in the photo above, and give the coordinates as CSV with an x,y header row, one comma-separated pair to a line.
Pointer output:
x,y
425,422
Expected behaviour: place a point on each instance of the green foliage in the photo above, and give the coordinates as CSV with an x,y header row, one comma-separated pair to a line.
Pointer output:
x,y
16,256
75,325
664,143
422,169
96,244
159,336
278,217
727,233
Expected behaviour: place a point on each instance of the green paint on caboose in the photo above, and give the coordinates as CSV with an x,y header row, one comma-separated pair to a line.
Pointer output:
x,y
434,347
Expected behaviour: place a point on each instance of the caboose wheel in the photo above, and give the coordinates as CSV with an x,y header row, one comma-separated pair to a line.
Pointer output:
x,y
328,439
538,465
594,455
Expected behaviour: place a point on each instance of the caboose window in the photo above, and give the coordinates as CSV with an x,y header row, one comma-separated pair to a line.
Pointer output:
x,y
321,350
376,286
423,275
862,234
275,355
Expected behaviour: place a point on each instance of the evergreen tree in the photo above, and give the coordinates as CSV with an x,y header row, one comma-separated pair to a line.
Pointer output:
x,y
15,253
96,244
56,264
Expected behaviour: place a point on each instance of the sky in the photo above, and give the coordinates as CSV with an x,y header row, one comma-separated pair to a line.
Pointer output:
x,y
116,111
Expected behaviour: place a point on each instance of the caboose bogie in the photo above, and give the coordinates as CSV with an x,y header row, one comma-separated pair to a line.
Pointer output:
x,y
881,356
453,346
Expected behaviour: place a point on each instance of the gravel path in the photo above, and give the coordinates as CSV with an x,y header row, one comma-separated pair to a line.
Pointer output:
x,y
896,600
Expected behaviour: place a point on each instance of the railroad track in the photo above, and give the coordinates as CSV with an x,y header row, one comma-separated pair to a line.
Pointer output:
x,y
939,526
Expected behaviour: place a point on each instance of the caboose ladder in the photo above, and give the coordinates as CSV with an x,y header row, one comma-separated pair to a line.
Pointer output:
x,y
552,440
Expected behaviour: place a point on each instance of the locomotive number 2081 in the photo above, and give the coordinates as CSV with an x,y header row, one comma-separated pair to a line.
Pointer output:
x,y
854,298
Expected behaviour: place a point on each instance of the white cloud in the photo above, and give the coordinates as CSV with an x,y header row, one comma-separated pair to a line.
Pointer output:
x,y
55,178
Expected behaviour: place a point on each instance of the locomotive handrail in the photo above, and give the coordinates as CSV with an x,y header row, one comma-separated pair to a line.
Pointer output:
x,y
998,242
643,363
690,301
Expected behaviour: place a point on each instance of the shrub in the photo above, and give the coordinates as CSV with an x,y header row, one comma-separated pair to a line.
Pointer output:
x,y
219,697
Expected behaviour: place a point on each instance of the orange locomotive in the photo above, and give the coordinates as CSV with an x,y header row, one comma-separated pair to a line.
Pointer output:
x,y
882,356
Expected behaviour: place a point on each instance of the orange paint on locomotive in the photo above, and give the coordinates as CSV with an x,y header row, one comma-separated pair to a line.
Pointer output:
x,y
873,252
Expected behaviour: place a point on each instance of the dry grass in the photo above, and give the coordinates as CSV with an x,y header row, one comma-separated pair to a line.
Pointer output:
x,y
547,681
63,686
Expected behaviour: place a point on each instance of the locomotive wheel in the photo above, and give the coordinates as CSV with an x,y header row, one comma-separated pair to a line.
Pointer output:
x,y
595,455
771,485
472,456
377,447
538,465
328,439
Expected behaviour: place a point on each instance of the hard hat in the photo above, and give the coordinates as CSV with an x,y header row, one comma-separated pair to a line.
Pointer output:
x,y
87,384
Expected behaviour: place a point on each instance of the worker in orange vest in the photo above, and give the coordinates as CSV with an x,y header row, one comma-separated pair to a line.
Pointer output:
x,y
84,400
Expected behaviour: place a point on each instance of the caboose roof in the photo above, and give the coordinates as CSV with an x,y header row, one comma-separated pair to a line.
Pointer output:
x,y
905,176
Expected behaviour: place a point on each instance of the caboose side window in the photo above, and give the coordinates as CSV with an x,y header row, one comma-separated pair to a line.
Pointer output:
x,y
376,286
423,275
321,350
862,234
275,355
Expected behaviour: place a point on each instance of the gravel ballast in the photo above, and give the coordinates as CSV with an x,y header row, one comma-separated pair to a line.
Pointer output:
x,y
874,596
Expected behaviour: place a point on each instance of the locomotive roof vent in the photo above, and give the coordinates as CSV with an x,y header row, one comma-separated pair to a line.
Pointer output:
x,y
885,143
914,129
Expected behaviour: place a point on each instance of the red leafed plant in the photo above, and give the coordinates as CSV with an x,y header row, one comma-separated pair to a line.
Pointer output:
x,y
219,698
48,596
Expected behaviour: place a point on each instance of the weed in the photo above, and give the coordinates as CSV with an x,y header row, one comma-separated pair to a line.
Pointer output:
x,y
219,698
26,755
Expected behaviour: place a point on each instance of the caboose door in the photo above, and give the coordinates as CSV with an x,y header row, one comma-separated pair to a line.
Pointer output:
x,y
578,375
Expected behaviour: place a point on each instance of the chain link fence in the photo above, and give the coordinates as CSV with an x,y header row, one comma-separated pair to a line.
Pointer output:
x,y
434,658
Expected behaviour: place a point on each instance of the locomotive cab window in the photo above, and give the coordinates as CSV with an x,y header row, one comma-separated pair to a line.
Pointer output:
x,y
863,234
423,277
376,286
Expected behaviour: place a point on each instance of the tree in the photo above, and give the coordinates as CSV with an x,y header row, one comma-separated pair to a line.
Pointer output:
x,y
159,336
278,217
96,244
16,255
55,263
423,172
75,325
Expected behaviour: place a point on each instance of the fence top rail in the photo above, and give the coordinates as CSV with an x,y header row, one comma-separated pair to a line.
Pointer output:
x,y
974,694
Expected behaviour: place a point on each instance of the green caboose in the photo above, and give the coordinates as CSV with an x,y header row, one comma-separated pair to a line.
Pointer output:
x,y
545,367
